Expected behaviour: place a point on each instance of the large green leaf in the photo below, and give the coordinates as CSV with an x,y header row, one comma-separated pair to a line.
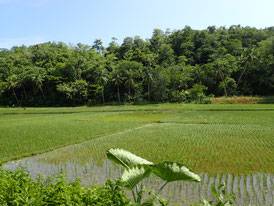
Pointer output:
x,y
125,158
172,171
135,174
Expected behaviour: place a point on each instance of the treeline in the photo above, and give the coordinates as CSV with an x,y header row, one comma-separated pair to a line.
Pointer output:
x,y
181,65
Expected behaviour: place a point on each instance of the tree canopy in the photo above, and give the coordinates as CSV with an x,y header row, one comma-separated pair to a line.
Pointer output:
x,y
167,67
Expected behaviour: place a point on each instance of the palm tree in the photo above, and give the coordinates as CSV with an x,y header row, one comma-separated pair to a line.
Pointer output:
x,y
129,81
219,66
38,78
116,78
22,81
101,79
148,79
248,56
13,82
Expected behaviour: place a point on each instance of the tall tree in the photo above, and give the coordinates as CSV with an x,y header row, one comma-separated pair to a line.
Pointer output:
x,y
12,83
38,77
98,46
248,56
129,77
117,79
101,79
148,80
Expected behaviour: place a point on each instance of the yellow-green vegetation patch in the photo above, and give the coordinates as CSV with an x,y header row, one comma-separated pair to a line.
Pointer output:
x,y
225,117
132,117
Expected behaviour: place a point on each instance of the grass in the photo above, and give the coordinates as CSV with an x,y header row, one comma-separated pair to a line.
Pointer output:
x,y
214,139
28,134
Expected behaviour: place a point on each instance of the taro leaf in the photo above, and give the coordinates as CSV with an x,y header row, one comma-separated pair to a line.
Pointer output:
x,y
135,174
172,171
125,158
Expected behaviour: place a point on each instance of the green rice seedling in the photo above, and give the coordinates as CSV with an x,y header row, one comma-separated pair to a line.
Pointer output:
x,y
180,187
215,180
232,182
187,188
263,195
252,186
239,187
199,191
259,185
220,178
193,186
85,169
265,181
225,180
245,186
207,185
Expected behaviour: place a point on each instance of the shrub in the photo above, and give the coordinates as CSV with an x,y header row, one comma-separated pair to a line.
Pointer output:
x,y
18,188
196,93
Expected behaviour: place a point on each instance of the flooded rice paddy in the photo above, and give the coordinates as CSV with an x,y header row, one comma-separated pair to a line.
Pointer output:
x,y
256,189
217,141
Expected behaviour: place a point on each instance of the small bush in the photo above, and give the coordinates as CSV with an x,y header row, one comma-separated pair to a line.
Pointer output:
x,y
196,93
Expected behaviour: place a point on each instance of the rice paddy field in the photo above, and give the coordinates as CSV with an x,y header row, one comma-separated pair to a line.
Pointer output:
x,y
231,143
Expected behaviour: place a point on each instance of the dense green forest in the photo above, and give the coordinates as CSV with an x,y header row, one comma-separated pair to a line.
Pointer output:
x,y
173,66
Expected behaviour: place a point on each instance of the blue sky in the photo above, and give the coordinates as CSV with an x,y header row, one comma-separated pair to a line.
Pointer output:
x,y
35,21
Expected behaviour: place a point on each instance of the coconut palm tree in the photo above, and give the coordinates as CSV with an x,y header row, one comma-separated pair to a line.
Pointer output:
x,y
219,66
37,77
129,76
101,79
148,80
117,79
12,83
248,56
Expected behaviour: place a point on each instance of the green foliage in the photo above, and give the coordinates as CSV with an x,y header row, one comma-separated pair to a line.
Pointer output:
x,y
75,91
138,169
228,61
196,93
222,198
18,188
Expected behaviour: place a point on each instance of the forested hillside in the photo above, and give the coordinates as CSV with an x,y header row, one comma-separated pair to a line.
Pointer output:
x,y
172,66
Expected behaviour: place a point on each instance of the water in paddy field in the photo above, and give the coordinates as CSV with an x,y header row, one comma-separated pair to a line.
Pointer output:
x,y
255,189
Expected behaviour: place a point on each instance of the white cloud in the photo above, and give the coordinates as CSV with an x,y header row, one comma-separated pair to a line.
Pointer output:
x,y
7,43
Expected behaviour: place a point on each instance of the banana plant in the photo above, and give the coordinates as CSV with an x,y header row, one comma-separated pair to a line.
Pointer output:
x,y
137,169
